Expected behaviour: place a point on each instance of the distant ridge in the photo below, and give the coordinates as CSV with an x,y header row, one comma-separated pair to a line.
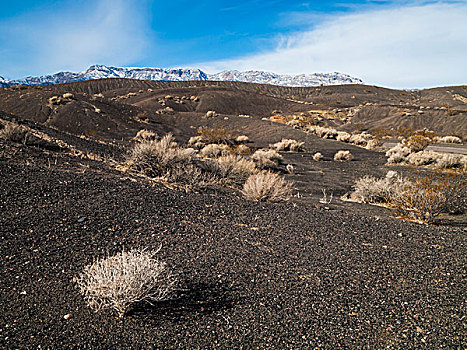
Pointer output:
x,y
185,74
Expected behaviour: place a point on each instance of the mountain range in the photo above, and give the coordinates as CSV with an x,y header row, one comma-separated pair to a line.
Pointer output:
x,y
185,74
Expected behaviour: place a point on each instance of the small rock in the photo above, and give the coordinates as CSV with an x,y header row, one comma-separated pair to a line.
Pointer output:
x,y
23,292
67,316
81,219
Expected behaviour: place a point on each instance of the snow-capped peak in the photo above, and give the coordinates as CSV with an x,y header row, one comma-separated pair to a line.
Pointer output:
x,y
185,74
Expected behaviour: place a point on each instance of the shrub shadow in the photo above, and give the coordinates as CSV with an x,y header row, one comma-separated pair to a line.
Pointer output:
x,y
200,298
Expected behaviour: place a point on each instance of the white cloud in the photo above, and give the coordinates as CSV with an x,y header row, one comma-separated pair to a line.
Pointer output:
x,y
404,47
73,37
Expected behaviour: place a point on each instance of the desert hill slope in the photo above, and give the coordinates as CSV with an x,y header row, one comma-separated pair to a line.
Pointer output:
x,y
307,273
443,110
293,275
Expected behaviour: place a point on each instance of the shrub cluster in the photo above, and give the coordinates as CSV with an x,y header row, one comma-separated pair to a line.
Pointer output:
x,y
360,139
401,154
159,158
448,139
218,164
288,145
421,197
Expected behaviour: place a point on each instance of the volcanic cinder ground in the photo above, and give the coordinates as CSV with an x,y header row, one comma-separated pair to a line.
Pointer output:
x,y
294,275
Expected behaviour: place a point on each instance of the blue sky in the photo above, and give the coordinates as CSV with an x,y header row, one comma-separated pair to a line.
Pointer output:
x,y
398,43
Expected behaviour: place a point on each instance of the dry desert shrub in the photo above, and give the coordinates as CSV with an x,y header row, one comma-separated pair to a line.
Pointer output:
x,y
422,158
323,132
241,149
370,189
266,186
448,139
242,139
216,135
288,145
215,150
397,154
343,136
424,197
317,156
210,114
420,197
417,143
359,139
159,158
266,158
14,132
197,142
145,135
235,169
372,144
450,161
343,156
120,281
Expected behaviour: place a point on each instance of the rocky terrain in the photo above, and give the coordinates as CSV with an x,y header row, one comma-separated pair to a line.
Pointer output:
x,y
306,273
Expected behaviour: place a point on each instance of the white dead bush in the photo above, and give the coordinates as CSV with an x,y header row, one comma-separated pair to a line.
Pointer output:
x,y
214,150
158,158
370,189
449,139
317,156
372,144
397,154
359,139
119,282
422,158
210,114
197,142
68,95
242,139
343,136
145,135
323,132
288,145
267,187
343,156
266,158
448,161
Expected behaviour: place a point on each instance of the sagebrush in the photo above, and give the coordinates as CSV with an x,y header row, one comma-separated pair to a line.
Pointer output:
x,y
121,281
266,186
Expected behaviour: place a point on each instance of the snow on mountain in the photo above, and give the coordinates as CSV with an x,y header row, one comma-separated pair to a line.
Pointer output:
x,y
179,74
261,77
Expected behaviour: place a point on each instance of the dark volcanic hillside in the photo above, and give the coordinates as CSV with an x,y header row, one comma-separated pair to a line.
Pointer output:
x,y
124,102
306,274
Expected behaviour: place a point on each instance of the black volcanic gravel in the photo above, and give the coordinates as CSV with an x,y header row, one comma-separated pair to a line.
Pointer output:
x,y
251,275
